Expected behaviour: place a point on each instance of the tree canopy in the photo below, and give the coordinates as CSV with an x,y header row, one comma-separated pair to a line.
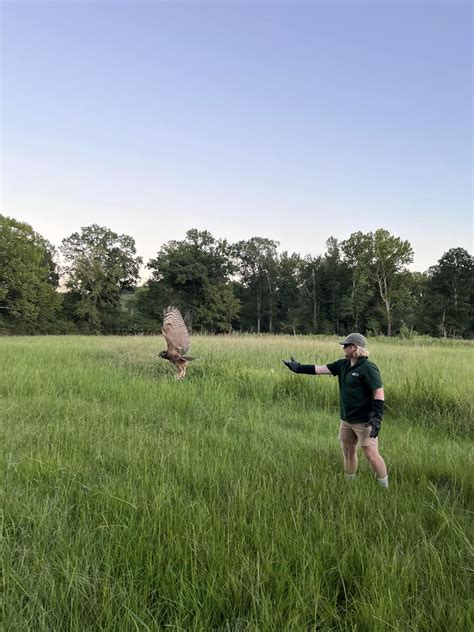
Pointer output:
x,y
449,294
359,284
28,279
99,265
195,274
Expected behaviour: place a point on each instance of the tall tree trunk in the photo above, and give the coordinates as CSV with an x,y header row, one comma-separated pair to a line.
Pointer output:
x,y
259,308
389,318
315,306
354,310
270,316
383,289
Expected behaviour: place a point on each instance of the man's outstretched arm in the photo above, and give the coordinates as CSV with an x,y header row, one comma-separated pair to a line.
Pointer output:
x,y
322,370
309,369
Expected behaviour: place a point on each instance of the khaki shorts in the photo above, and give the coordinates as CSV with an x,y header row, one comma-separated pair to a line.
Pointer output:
x,y
356,433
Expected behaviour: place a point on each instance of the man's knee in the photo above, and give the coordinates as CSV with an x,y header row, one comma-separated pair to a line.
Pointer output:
x,y
349,449
371,453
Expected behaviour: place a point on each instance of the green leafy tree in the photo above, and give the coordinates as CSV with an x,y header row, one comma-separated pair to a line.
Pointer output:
x,y
257,263
29,302
288,293
311,299
195,274
408,313
449,294
333,284
323,281
356,254
382,258
390,255
99,266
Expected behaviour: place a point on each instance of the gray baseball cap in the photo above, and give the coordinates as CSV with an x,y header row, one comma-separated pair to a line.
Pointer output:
x,y
354,339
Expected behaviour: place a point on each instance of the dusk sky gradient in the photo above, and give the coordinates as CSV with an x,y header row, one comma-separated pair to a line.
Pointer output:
x,y
289,120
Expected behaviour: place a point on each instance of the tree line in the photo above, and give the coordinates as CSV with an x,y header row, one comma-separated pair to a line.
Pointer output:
x,y
361,284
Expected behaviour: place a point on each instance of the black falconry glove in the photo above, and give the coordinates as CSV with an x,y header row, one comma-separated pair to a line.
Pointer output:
x,y
296,367
376,419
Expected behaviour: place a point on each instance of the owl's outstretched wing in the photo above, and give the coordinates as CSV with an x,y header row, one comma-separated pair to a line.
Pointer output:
x,y
175,331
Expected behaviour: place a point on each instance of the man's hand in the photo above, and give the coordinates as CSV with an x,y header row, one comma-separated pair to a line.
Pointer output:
x,y
292,364
376,423
296,367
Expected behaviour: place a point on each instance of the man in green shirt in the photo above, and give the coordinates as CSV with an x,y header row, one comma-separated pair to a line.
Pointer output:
x,y
361,403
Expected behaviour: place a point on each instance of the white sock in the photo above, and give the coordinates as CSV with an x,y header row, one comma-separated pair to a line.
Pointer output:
x,y
383,482
350,477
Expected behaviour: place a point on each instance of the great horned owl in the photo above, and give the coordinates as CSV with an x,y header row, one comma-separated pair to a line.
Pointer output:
x,y
177,338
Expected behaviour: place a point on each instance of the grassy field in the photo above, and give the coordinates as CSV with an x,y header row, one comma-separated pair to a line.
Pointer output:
x,y
136,502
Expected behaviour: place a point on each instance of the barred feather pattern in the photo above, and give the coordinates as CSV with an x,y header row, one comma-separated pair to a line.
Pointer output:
x,y
175,331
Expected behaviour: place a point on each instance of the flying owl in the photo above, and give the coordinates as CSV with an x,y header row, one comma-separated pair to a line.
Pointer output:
x,y
177,338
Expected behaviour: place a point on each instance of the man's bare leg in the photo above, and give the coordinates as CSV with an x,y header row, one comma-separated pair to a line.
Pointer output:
x,y
349,451
377,463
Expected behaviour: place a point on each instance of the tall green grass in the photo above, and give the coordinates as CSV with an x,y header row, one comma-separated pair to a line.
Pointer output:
x,y
135,502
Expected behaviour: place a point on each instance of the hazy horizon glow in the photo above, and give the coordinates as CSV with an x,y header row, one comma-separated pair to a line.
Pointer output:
x,y
292,121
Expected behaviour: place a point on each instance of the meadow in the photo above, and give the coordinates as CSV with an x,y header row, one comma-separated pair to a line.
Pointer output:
x,y
136,502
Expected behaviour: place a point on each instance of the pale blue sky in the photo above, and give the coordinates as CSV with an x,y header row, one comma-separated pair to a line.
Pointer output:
x,y
288,120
